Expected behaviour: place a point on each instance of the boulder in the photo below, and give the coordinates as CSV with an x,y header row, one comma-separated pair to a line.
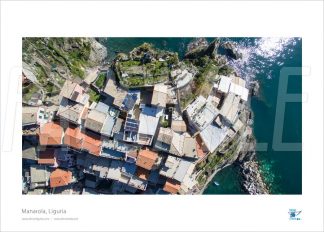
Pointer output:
x,y
229,49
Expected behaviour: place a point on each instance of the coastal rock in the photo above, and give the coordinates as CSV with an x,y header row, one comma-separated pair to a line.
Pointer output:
x,y
122,57
98,51
254,86
200,48
230,50
252,180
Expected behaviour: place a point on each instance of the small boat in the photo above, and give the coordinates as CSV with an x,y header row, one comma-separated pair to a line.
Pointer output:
x,y
216,183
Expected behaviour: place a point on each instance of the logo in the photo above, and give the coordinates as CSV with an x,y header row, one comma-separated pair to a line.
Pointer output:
x,y
294,214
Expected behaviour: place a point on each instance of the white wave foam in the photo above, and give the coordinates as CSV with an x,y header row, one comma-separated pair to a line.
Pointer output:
x,y
263,53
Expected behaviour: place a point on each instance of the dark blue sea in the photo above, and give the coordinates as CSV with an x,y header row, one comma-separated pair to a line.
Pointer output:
x,y
263,59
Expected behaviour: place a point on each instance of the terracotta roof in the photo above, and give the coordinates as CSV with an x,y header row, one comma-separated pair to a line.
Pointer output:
x,y
92,143
146,159
142,173
60,177
46,156
74,137
171,186
200,151
51,134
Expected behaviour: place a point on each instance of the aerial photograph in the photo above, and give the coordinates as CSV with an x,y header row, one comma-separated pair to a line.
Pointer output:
x,y
160,115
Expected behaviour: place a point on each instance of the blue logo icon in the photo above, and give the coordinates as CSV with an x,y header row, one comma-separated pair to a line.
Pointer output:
x,y
294,214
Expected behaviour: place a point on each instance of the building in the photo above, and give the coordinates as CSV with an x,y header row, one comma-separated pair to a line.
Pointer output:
x,y
102,119
148,122
176,168
171,186
74,138
30,116
142,173
164,139
29,154
39,176
235,85
114,171
224,84
132,97
230,108
113,149
181,77
92,143
178,126
79,140
50,134
131,129
183,145
60,178
201,113
74,102
147,159
95,120
160,95
179,144
72,111
115,94
195,106
238,87
212,136
34,116
47,156
74,92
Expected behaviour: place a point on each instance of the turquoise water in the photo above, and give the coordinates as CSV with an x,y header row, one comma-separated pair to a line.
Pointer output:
x,y
263,59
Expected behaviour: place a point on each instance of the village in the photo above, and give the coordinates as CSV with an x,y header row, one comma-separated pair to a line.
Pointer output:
x,y
130,139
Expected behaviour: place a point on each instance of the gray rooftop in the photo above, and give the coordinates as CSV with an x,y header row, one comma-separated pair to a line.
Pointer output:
x,y
39,174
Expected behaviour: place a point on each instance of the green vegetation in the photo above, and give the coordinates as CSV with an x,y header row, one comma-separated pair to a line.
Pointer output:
x,y
205,77
185,100
51,89
41,74
138,81
100,82
94,96
164,123
29,91
72,53
144,66
226,70
215,159
201,179
130,63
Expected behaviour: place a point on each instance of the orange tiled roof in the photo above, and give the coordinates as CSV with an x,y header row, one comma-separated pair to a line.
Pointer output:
x,y
171,186
46,156
146,159
92,143
60,177
142,173
199,147
73,137
50,134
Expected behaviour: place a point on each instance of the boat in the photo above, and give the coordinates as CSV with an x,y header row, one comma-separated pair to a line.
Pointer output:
x,y
216,183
